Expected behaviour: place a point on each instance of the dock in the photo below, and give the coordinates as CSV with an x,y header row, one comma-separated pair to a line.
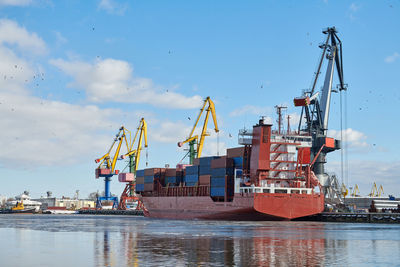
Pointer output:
x,y
355,217
112,212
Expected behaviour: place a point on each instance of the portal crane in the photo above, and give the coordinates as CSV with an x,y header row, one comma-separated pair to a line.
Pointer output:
x,y
192,140
134,158
316,106
106,167
356,192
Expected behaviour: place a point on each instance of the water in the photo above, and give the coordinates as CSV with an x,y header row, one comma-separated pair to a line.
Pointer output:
x,y
77,240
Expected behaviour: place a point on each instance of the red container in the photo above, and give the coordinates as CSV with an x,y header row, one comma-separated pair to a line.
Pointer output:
x,y
222,162
151,171
204,179
170,172
126,177
140,180
235,152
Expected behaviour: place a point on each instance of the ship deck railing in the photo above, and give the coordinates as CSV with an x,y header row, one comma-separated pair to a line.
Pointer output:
x,y
273,190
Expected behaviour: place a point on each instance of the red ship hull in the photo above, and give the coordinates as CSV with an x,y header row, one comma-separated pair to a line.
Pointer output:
x,y
250,207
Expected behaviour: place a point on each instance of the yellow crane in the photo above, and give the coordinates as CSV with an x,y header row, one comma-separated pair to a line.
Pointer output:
x,y
134,157
344,190
375,192
106,167
356,191
192,140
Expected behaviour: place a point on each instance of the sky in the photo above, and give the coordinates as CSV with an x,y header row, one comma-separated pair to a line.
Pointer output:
x,y
72,72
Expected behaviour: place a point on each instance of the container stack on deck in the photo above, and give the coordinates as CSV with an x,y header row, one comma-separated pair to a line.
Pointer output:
x,y
139,181
216,172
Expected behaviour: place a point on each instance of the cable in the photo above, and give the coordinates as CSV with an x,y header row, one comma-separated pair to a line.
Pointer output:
x,y
218,144
341,137
346,143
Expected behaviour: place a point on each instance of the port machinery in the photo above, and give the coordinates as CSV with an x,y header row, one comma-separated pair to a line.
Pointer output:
x,y
107,164
194,139
129,195
315,109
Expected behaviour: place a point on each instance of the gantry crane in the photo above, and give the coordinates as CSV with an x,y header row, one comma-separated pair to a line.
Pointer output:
x,y
192,140
106,167
315,107
134,158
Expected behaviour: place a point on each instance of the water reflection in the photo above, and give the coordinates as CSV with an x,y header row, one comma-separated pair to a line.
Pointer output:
x,y
126,241
254,247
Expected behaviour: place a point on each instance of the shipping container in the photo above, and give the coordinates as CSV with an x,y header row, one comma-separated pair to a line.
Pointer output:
x,y
170,172
238,161
191,178
235,152
222,172
196,161
207,160
152,171
204,179
139,173
204,169
192,170
139,187
219,192
191,183
222,162
140,180
149,179
222,181
170,180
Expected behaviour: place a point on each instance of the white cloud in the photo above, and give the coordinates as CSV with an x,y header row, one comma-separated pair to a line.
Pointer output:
x,y
39,132
354,138
15,2
250,109
12,34
113,80
113,7
392,58
170,132
60,39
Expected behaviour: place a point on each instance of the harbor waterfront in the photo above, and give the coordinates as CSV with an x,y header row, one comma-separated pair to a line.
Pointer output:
x,y
86,240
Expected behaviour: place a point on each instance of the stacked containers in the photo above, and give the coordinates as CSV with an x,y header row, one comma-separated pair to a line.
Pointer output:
x,y
171,178
191,177
236,154
139,181
151,177
222,181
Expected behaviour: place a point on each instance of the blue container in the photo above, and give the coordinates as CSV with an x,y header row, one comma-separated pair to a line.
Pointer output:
x,y
239,173
222,172
238,162
205,170
139,187
217,191
170,180
192,170
139,173
191,184
148,179
206,161
217,181
191,178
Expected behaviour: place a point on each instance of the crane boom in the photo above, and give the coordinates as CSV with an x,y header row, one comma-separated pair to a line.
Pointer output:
x,y
193,139
316,106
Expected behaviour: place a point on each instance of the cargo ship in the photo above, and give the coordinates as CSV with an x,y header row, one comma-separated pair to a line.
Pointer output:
x,y
269,177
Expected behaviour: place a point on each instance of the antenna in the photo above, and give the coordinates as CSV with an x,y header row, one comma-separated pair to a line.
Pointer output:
x,y
279,112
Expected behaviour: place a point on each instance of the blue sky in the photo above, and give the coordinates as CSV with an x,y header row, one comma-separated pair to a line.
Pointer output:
x,y
73,72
